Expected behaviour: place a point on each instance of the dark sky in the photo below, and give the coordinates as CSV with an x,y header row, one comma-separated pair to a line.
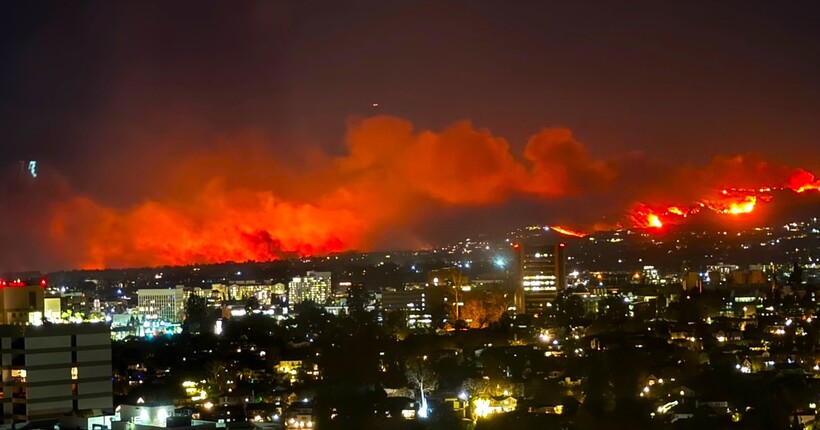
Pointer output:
x,y
86,88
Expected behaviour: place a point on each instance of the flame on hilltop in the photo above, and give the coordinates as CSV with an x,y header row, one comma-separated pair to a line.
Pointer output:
x,y
567,231
736,202
729,201
677,211
744,207
647,217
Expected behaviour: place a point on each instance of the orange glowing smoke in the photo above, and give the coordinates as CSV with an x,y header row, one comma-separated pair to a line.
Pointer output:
x,y
802,181
239,203
567,231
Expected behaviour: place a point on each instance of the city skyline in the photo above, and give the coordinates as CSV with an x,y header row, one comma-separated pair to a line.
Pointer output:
x,y
409,215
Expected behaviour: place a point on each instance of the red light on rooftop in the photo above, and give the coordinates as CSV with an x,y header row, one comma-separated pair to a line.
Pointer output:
x,y
17,283
43,282
3,283
516,246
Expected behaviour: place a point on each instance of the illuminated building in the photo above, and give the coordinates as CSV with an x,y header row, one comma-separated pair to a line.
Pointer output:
x,y
167,305
418,305
650,276
203,293
751,277
299,416
294,369
50,370
52,309
21,303
484,406
541,274
447,276
144,416
314,287
719,274
266,293
692,281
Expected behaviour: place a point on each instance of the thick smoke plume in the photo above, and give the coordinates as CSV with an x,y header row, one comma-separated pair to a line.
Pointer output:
x,y
238,200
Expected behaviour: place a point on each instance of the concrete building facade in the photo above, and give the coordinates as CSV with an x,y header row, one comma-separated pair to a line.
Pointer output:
x,y
165,304
20,303
540,275
52,369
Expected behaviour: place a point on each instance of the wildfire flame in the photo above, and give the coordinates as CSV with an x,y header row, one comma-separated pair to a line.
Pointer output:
x,y
735,203
654,221
677,211
744,207
567,231
647,217
729,201
234,198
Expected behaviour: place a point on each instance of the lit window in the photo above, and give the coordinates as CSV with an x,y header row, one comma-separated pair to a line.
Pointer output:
x,y
74,373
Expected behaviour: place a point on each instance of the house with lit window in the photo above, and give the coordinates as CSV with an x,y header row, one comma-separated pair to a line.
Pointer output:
x,y
147,416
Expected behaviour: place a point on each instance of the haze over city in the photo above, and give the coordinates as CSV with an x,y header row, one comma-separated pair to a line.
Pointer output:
x,y
190,133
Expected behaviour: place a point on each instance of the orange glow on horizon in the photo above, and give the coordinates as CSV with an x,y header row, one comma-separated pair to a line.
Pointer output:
x,y
236,200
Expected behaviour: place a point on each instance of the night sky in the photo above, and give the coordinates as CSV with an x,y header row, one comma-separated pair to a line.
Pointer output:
x,y
185,132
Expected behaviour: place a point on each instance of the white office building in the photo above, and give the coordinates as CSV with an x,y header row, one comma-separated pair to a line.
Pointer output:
x,y
165,304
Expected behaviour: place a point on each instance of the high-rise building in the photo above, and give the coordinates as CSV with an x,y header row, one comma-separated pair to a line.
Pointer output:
x,y
419,305
266,292
52,369
314,287
541,275
167,305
